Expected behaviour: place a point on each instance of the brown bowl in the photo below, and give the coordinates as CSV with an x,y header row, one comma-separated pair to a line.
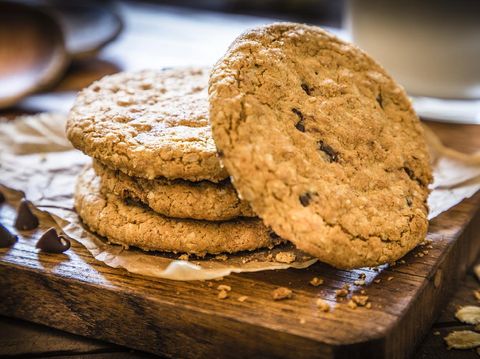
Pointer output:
x,y
32,51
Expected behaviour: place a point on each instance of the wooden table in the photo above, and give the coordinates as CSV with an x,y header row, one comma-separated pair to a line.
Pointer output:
x,y
21,338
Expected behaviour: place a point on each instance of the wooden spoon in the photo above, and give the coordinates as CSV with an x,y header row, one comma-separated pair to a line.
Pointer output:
x,y
32,51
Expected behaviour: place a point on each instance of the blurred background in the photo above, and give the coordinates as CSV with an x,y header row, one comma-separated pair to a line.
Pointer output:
x,y
51,49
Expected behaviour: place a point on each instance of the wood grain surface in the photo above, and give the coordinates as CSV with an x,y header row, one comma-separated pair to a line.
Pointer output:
x,y
75,293
26,339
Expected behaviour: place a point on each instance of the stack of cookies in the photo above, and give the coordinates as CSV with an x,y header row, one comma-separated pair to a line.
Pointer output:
x,y
155,181
316,136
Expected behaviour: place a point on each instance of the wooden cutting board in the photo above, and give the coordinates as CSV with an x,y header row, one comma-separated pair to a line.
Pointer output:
x,y
78,294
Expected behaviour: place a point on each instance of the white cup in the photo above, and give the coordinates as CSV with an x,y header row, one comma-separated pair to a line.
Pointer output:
x,y
430,47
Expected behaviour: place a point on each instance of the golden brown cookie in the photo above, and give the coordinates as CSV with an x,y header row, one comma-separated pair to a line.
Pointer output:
x,y
148,124
323,144
177,198
130,224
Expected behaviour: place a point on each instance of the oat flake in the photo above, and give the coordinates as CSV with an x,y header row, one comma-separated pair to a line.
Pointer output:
x,y
469,314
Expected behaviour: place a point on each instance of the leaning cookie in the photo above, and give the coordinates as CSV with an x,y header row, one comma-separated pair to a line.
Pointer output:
x,y
177,198
148,124
134,225
323,143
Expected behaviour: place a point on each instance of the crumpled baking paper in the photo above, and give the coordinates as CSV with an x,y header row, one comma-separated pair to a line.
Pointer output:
x,y
38,161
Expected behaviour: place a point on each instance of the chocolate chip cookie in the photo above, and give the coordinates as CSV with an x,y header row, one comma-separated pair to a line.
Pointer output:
x,y
323,143
177,198
131,224
148,124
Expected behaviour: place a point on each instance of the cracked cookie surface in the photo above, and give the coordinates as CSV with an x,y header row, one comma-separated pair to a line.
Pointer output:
x,y
148,124
323,144
131,224
177,198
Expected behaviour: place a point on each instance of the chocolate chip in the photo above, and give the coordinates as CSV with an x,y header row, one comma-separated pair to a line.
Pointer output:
x,y
273,235
220,153
26,220
409,201
380,99
2,197
308,90
300,125
305,199
51,242
332,155
409,172
7,238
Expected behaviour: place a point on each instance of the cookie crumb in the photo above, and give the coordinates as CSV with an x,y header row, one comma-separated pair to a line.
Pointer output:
x,y
184,257
242,298
436,333
469,314
462,339
223,294
282,293
322,305
302,321
210,284
352,304
221,257
476,294
389,278
285,257
315,281
363,291
224,287
359,282
362,276
341,292
377,280
360,300
423,243
368,305
402,261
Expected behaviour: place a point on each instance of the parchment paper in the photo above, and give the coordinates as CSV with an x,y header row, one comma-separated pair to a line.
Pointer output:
x,y
37,160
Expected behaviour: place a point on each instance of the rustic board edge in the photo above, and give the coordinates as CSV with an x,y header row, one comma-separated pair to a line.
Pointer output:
x,y
165,324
